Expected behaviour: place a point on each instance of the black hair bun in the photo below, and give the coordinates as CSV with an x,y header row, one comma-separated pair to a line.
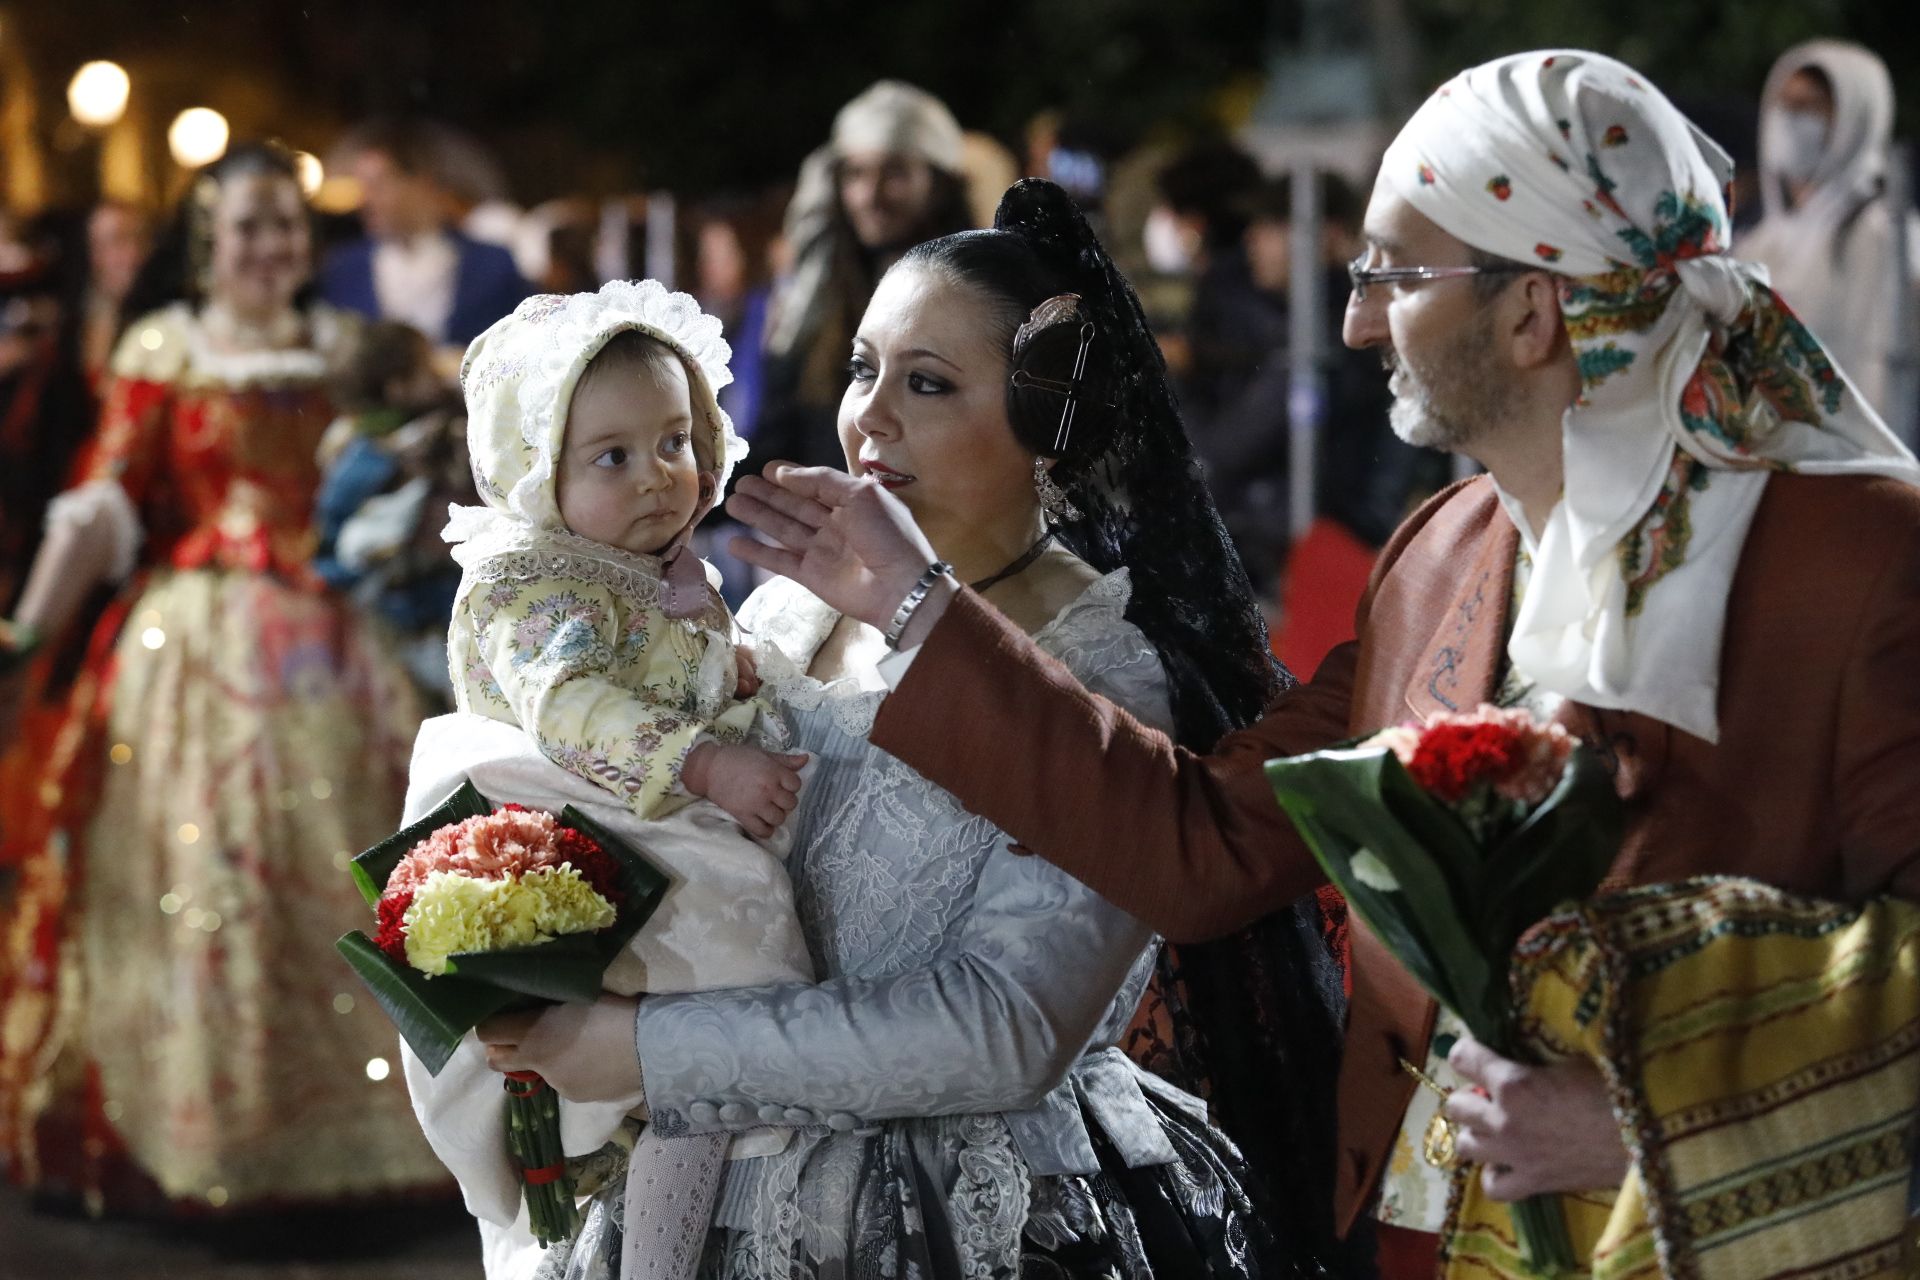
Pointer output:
x,y
1045,216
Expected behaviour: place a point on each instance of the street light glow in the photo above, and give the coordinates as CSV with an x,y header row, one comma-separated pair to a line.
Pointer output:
x,y
97,94
312,172
197,136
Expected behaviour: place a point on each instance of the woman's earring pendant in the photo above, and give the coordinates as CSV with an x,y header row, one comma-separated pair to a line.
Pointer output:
x,y
1054,503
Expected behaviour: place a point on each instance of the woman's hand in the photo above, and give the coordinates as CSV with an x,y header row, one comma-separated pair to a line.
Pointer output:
x,y
1534,1129
847,540
585,1051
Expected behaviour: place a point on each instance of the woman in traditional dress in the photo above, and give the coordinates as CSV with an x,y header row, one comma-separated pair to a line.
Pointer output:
x,y
176,1032
961,1105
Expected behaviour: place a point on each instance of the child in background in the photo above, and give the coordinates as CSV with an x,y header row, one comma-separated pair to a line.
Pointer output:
x,y
393,459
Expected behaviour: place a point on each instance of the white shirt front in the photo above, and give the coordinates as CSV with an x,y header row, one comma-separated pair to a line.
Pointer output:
x,y
413,281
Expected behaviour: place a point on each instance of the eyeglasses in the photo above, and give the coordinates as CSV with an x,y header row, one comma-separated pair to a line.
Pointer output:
x,y
1363,275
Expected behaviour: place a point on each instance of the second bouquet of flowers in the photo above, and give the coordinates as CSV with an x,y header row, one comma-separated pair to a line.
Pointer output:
x,y
482,909
1449,841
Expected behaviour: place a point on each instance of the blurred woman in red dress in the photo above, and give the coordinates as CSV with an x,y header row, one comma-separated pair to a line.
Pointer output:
x,y
176,1032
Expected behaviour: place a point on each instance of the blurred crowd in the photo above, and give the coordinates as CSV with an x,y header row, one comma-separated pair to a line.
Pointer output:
x,y
438,251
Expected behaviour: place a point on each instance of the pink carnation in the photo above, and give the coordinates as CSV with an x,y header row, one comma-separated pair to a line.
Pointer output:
x,y
497,846
1545,760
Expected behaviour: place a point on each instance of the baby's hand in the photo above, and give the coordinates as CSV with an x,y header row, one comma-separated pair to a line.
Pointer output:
x,y
757,787
749,681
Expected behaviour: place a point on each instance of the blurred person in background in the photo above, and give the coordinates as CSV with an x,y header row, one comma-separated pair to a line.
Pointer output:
x,y
890,177
1827,229
556,243
179,1039
119,236
1366,479
391,463
1191,238
731,282
414,264
475,188
45,411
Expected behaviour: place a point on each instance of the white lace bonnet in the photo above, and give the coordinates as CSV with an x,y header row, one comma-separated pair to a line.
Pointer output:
x,y
519,376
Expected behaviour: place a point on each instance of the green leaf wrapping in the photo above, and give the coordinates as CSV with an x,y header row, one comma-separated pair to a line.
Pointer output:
x,y
1459,909
1338,801
433,1013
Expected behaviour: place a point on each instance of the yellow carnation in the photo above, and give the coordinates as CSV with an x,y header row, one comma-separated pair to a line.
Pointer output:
x,y
564,903
452,913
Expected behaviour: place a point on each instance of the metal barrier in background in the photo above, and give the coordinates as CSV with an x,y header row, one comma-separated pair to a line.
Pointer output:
x,y
1306,333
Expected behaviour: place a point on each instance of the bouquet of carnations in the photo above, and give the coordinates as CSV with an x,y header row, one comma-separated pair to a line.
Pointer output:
x,y
483,909
1450,840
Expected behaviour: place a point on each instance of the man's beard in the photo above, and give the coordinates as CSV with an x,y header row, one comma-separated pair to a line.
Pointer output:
x,y
1459,396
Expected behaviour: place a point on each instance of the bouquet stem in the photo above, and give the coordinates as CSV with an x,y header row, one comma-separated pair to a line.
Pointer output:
x,y
533,1139
1540,1226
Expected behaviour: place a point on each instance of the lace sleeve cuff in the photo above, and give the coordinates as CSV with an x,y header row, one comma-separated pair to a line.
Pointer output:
x,y
101,508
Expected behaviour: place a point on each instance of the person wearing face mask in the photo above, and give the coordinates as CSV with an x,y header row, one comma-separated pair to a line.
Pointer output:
x,y
179,1035
1827,230
890,176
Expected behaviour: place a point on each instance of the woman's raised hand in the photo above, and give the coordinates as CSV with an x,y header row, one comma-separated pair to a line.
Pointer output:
x,y
847,540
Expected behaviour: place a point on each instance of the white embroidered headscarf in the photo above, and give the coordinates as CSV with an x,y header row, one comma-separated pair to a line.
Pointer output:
x,y
519,378
1696,380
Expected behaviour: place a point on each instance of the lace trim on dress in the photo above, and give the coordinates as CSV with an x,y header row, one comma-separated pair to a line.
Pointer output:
x,y
492,547
988,1203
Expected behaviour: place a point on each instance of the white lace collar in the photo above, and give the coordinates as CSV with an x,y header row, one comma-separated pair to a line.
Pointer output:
x,y
251,368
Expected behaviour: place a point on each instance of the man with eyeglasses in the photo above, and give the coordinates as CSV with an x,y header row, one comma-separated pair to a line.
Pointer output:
x,y
1695,547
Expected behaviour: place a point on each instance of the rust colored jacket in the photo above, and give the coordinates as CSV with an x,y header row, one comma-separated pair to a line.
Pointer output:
x,y
1814,785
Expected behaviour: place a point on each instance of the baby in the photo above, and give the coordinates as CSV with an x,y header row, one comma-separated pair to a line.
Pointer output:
x,y
585,619
594,665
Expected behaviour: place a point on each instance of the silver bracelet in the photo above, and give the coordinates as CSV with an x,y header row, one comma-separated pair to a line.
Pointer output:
x,y
904,614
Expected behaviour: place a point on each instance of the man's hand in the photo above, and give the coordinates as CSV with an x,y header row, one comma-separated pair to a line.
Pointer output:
x,y
1534,1129
848,541
757,787
585,1051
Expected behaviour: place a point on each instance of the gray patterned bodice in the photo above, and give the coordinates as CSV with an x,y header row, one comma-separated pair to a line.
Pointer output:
x,y
957,976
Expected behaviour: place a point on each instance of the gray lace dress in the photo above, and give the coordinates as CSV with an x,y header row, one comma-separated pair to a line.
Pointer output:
x,y
960,1107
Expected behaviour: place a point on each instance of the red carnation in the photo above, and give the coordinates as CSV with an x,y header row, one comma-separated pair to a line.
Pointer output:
x,y
391,936
1455,756
595,865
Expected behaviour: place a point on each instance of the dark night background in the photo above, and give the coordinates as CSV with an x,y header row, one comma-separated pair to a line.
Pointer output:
x,y
602,96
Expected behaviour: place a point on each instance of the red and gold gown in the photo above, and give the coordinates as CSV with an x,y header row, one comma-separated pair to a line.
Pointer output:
x,y
176,1030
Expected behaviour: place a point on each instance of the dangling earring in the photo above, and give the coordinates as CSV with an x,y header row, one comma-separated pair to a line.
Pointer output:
x,y
1054,503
